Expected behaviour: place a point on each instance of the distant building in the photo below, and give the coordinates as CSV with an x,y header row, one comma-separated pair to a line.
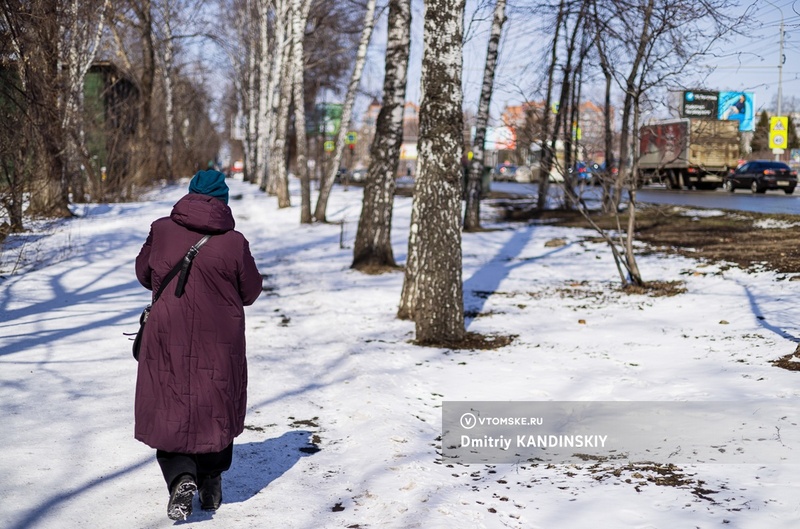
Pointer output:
x,y
408,149
110,99
589,134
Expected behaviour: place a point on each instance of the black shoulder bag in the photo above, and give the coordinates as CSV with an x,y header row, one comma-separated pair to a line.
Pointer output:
x,y
183,267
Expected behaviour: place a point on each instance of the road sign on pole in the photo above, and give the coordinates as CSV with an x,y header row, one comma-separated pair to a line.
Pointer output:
x,y
778,133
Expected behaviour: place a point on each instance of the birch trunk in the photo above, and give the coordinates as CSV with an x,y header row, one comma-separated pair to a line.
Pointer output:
x,y
299,18
278,153
472,213
438,304
251,133
347,111
373,245
260,158
268,182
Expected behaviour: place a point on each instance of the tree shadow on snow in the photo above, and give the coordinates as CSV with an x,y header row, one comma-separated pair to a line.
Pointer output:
x,y
485,281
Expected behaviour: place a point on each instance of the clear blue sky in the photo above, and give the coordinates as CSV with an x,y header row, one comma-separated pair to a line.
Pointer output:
x,y
748,61
751,60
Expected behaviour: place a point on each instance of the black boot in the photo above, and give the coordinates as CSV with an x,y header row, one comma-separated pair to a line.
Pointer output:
x,y
211,493
180,497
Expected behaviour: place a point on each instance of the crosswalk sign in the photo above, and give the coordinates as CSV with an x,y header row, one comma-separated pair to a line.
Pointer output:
x,y
778,132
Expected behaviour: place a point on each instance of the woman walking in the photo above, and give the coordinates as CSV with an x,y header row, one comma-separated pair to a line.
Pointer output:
x,y
191,388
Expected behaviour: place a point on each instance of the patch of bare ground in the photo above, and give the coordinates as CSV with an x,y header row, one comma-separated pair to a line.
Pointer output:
x,y
790,362
474,341
603,293
748,240
664,475
657,288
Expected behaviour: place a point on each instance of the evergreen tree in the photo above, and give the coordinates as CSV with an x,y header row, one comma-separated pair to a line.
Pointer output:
x,y
761,135
793,142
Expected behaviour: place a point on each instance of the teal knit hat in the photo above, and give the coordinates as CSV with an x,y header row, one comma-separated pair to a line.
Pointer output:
x,y
211,183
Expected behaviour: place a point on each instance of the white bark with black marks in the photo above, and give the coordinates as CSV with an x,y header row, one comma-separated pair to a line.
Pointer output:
x,y
278,172
472,212
299,19
347,112
373,245
433,290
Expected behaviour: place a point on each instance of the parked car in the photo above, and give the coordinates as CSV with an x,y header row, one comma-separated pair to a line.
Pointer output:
x,y
341,174
760,175
358,175
504,172
237,169
582,172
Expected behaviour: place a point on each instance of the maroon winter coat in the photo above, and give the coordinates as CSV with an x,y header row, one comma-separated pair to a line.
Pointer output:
x,y
191,388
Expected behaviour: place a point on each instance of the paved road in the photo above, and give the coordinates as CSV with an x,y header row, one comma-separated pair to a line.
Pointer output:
x,y
741,200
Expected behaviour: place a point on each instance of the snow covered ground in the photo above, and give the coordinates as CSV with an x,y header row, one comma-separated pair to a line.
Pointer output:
x,y
332,369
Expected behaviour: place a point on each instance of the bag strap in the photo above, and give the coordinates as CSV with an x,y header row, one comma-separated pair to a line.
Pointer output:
x,y
183,267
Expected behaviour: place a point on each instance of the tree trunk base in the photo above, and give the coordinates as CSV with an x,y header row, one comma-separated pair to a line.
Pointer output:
x,y
376,267
472,341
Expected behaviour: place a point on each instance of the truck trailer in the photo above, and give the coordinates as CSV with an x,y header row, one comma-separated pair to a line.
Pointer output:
x,y
686,153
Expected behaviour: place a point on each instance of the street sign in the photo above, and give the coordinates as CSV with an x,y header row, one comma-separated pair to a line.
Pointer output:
x,y
778,132
329,146
351,138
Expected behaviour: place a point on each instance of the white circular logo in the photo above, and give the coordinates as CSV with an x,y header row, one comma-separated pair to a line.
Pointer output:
x,y
778,140
468,421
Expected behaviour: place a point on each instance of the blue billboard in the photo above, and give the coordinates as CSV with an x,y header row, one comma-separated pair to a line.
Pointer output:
x,y
739,106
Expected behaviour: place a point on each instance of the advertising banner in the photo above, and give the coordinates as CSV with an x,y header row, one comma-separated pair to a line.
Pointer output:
x,y
739,106
700,104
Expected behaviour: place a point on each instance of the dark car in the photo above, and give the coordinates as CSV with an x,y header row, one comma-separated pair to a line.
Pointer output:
x,y
760,175
341,175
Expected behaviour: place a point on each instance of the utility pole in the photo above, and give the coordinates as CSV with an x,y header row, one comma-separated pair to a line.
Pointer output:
x,y
781,60
780,69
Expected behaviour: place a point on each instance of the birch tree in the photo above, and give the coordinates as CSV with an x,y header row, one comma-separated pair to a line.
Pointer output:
x,y
81,34
373,245
300,10
347,112
252,95
472,216
654,42
277,153
170,13
262,111
55,44
432,289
